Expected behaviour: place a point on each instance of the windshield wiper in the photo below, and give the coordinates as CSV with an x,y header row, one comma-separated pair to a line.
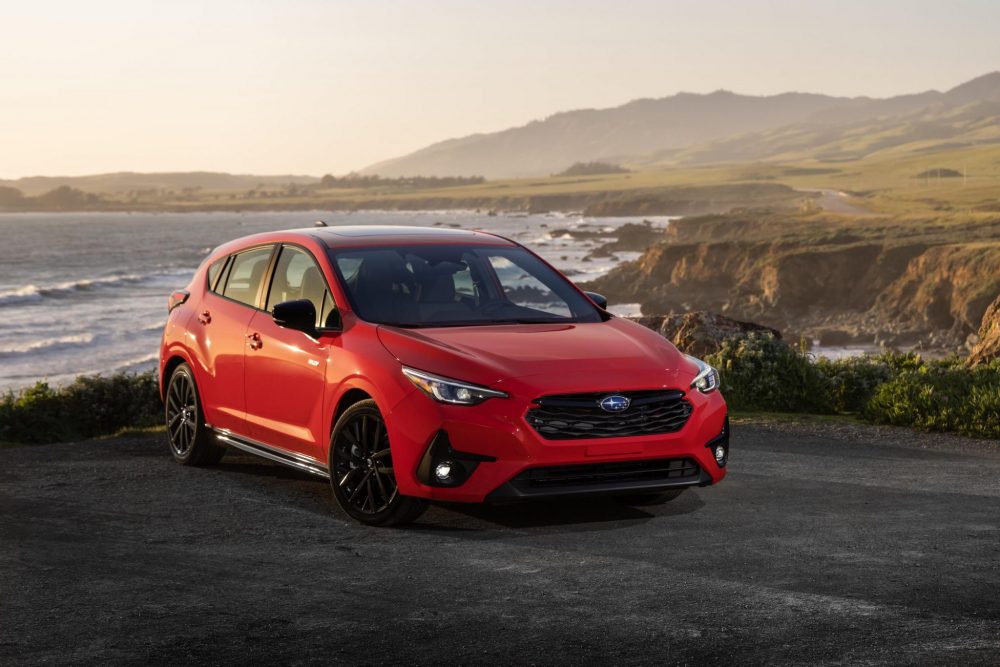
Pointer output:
x,y
405,325
535,321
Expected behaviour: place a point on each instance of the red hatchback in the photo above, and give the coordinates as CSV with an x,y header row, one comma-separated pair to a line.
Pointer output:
x,y
407,364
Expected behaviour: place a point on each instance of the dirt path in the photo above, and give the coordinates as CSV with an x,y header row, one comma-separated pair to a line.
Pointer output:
x,y
836,201
824,545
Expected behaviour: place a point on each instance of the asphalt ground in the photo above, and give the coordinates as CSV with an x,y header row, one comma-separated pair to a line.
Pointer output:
x,y
826,544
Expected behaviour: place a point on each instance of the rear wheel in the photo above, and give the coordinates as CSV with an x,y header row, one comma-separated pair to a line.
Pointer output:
x,y
654,498
190,441
361,471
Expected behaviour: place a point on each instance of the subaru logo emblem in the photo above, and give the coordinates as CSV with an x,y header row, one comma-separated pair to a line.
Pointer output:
x,y
615,403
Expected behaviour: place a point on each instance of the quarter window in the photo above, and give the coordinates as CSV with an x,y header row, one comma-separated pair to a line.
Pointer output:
x,y
245,275
214,270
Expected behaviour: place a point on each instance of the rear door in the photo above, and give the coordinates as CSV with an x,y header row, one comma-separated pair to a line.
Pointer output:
x,y
220,328
286,369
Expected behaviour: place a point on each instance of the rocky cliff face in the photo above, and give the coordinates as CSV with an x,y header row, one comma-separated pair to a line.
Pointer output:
x,y
700,333
815,280
987,346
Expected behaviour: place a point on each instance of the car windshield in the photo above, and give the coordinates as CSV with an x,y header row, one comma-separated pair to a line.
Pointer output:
x,y
455,285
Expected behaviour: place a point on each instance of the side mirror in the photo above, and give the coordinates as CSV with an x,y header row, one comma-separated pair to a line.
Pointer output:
x,y
334,322
299,315
599,299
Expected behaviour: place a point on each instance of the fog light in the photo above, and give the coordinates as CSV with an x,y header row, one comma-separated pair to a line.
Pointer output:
x,y
720,454
443,471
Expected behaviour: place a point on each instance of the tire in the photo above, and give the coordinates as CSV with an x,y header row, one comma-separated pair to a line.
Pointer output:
x,y
191,443
361,472
653,498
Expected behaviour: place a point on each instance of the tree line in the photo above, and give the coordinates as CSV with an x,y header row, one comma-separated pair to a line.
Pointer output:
x,y
61,198
355,180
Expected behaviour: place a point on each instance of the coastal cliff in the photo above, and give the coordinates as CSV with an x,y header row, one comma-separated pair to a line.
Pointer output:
x,y
878,280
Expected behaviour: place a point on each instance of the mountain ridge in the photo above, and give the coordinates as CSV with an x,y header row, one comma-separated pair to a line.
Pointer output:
x,y
647,126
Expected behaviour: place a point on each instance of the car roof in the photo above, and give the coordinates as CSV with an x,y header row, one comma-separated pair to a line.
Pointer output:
x,y
367,236
380,235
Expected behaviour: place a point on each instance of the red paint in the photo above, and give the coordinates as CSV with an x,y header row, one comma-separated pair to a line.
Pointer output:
x,y
282,388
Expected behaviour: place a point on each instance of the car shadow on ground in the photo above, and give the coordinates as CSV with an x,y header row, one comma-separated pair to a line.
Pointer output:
x,y
582,513
278,483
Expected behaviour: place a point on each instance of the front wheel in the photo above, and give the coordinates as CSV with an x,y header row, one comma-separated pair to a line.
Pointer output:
x,y
361,471
190,441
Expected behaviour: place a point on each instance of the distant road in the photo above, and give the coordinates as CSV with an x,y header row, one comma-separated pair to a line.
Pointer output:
x,y
836,201
828,543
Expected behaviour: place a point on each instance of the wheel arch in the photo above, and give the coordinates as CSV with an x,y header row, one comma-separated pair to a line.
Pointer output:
x,y
351,396
174,359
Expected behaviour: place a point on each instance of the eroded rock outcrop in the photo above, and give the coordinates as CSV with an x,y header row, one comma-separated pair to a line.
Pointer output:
x,y
988,347
880,281
700,333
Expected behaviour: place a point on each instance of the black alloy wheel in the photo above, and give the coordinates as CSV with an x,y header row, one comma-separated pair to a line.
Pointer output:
x,y
361,469
190,441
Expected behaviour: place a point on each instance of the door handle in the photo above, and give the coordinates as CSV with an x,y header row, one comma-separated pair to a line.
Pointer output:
x,y
255,342
205,317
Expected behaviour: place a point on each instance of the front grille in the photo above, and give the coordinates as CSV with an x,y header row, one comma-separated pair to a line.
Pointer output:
x,y
576,416
624,473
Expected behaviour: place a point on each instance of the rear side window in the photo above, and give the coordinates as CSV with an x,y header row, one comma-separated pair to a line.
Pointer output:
x,y
246,274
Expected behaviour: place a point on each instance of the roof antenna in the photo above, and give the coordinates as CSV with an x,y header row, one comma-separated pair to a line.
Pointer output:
x,y
320,223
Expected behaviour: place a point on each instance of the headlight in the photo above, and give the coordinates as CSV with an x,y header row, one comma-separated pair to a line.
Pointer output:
x,y
446,390
707,379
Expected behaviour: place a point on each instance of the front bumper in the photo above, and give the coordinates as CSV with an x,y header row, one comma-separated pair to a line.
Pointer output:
x,y
507,447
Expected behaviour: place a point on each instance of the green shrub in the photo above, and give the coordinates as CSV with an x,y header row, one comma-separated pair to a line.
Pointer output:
x,y
941,396
88,407
851,382
760,372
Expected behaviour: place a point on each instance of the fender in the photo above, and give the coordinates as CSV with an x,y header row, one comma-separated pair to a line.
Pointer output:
x,y
173,350
352,382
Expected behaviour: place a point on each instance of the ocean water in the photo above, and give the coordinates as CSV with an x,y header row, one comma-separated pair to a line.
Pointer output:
x,y
84,293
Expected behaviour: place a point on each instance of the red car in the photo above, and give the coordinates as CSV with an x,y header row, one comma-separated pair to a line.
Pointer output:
x,y
407,364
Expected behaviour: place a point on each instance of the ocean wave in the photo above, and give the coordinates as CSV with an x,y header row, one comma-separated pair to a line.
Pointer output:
x,y
46,345
138,362
35,293
21,295
157,326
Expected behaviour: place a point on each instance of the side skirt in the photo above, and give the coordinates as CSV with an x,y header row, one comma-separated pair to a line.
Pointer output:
x,y
292,460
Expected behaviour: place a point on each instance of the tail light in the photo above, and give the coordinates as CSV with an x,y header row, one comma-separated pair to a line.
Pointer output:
x,y
177,298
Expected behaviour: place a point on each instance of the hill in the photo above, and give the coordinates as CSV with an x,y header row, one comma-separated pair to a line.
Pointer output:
x,y
722,126
127,181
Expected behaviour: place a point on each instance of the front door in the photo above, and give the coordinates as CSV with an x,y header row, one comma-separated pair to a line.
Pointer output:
x,y
285,376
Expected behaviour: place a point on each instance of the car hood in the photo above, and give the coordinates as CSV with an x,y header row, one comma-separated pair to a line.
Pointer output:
x,y
617,353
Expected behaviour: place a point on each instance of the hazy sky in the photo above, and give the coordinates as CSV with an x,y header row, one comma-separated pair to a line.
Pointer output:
x,y
310,86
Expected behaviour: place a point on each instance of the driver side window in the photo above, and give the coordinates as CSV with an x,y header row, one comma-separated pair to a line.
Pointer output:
x,y
297,276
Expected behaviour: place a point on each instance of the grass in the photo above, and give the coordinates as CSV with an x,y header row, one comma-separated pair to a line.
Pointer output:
x,y
885,182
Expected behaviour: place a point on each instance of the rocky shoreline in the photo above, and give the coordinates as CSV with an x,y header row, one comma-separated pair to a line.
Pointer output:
x,y
874,282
